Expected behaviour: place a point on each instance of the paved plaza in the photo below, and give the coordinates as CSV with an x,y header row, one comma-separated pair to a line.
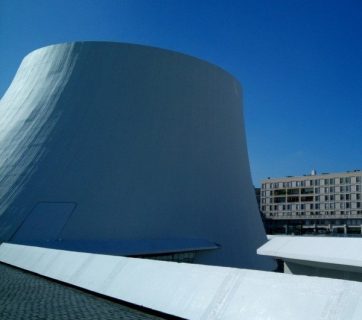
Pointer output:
x,y
25,296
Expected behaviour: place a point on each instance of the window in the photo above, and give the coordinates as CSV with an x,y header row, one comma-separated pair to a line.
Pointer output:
x,y
293,199
293,191
279,199
307,190
278,192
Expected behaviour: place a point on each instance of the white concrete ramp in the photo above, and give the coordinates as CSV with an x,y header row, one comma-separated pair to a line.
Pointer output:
x,y
194,291
332,250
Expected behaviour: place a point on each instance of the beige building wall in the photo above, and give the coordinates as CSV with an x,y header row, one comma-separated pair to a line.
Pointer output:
x,y
332,196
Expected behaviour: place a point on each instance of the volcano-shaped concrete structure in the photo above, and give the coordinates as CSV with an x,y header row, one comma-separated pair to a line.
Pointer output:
x,y
127,149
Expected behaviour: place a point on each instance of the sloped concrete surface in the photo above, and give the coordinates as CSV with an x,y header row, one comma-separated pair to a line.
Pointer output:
x,y
25,296
194,291
333,250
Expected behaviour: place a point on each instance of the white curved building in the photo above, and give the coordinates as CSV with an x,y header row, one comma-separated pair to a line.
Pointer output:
x,y
129,150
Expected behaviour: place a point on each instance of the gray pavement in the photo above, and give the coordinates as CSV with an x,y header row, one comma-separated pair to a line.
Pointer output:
x,y
27,296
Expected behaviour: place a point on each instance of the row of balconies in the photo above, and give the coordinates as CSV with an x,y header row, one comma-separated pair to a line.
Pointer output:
x,y
317,199
315,215
303,206
298,191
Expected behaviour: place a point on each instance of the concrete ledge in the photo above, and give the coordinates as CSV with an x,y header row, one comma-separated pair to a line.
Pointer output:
x,y
194,291
330,250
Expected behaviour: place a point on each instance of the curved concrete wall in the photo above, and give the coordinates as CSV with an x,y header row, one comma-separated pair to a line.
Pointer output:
x,y
108,141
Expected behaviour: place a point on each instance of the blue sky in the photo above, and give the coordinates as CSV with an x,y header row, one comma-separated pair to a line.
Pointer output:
x,y
299,62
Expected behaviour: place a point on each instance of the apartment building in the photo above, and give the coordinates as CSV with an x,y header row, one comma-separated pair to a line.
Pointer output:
x,y
331,197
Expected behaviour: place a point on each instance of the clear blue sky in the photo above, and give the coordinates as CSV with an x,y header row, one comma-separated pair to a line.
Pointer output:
x,y
299,62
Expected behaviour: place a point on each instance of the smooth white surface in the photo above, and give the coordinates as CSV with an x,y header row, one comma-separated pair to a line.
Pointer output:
x,y
341,251
195,291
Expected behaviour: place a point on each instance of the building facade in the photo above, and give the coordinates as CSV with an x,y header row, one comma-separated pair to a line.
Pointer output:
x,y
329,199
130,150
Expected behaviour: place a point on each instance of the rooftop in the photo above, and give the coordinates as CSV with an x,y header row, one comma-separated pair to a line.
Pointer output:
x,y
331,250
322,175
